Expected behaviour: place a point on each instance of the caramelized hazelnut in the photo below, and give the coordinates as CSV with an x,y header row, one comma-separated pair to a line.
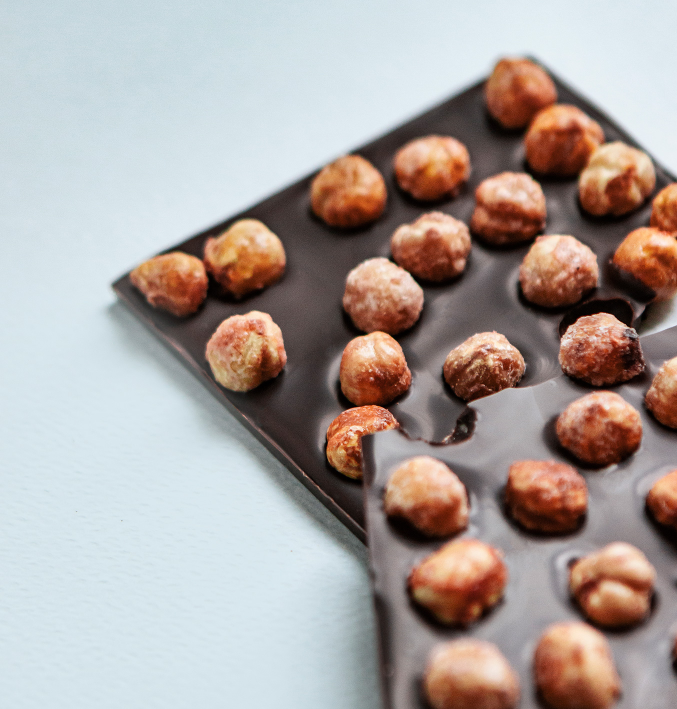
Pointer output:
x,y
662,500
661,399
664,210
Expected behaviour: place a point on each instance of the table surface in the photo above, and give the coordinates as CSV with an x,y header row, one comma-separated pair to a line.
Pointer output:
x,y
154,554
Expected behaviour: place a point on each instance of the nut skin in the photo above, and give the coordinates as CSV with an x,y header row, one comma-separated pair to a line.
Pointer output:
x,y
661,399
433,248
344,437
175,282
650,256
664,209
432,167
616,180
459,581
600,428
469,674
509,209
601,350
517,90
247,257
245,351
374,370
613,586
546,496
558,270
561,139
574,668
484,364
382,296
349,192
428,495
662,500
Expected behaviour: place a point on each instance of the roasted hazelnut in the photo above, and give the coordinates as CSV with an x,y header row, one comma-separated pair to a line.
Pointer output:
x,y
600,428
661,399
664,210
599,349
344,436
469,674
459,581
374,370
174,282
434,248
246,350
662,500
426,493
546,496
245,258
561,139
382,296
509,209
432,167
613,586
349,192
574,668
650,256
484,364
517,90
558,270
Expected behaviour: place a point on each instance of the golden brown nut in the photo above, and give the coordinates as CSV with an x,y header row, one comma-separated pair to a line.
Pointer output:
x,y
344,436
469,674
382,296
613,586
349,192
459,581
558,270
599,349
245,258
574,668
561,139
600,428
432,167
664,210
484,364
175,282
426,493
510,208
517,90
246,350
650,256
662,500
374,370
434,248
546,496
661,399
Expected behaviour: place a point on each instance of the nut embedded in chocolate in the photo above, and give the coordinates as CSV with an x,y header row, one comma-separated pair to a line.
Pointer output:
x,y
661,399
426,493
664,209
662,500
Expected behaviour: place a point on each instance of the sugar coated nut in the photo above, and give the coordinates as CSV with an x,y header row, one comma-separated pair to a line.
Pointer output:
x,y
516,90
650,256
245,258
601,350
344,437
433,248
662,500
664,209
469,674
426,493
175,282
509,208
661,399
349,192
382,296
613,586
459,581
546,496
374,370
558,270
600,428
432,167
574,668
484,364
246,350
561,139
